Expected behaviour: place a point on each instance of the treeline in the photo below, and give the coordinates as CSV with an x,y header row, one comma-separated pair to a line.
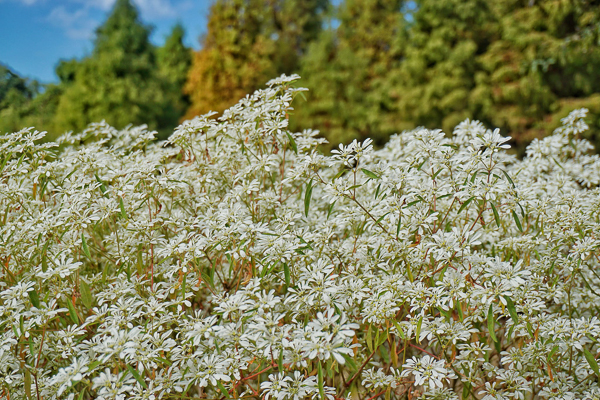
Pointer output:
x,y
125,80
373,67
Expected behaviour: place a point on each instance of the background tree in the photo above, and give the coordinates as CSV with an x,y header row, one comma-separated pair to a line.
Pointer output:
x,y
118,81
174,60
25,102
545,63
441,68
349,71
247,43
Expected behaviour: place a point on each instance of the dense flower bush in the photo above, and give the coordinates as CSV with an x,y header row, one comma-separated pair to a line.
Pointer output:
x,y
235,260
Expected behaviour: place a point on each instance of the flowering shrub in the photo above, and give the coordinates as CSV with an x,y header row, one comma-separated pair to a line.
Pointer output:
x,y
234,260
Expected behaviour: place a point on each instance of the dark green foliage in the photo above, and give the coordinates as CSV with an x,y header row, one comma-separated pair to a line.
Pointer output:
x,y
25,103
174,60
350,73
117,82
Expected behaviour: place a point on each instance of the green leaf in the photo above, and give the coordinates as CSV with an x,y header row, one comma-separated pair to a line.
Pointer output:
x,y
496,216
320,381
370,174
592,361
466,390
350,362
508,177
459,310
551,354
122,208
292,142
514,214
222,389
511,309
137,376
286,272
338,174
307,196
72,312
102,185
399,329
280,361
86,249
491,323
465,204
35,299
330,209
86,294
369,339
27,379
418,332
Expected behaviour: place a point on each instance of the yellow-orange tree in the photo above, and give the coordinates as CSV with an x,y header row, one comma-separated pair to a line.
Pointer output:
x,y
247,43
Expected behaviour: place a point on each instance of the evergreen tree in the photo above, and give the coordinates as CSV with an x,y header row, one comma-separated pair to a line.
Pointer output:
x,y
545,63
249,42
174,60
349,72
25,102
442,66
118,81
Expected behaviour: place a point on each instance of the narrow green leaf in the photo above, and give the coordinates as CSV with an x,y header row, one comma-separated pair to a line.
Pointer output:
x,y
369,339
292,142
516,218
511,309
350,362
102,186
35,299
474,176
286,272
491,323
86,249
592,361
86,294
137,376
465,204
551,354
280,361
399,330
418,332
340,173
222,389
307,197
122,208
72,312
466,390
370,174
320,381
81,394
27,384
461,317
508,177
330,209
496,216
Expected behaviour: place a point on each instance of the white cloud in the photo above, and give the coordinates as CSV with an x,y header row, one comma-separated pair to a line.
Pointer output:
x,y
79,18
77,24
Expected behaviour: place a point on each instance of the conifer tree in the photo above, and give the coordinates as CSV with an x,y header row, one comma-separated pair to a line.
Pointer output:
x,y
545,63
442,66
118,81
174,60
247,43
349,72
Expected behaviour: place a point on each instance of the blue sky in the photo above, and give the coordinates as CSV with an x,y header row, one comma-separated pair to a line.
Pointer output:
x,y
36,34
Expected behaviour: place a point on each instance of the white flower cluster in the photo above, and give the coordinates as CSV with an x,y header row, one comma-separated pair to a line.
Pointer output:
x,y
235,260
